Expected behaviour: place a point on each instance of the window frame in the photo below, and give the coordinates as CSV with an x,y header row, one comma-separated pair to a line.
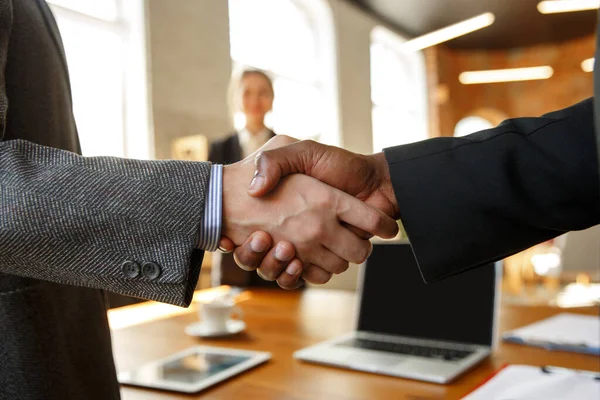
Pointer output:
x,y
129,25
414,61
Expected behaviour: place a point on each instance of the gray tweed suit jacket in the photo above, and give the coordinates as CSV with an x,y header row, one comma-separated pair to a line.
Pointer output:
x,y
71,225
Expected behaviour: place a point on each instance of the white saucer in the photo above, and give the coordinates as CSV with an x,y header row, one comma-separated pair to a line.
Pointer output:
x,y
199,329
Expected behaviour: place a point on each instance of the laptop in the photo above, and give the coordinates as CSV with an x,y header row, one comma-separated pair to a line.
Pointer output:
x,y
432,332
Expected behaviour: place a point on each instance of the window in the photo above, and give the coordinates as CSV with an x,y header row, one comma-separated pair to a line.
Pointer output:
x,y
293,41
471,124
104,46
479,120
398,92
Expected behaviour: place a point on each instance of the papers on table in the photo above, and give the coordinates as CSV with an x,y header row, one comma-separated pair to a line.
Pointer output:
x,y
566,331
523,382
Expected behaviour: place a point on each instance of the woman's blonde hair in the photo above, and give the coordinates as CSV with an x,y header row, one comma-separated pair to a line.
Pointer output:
x,y
236,83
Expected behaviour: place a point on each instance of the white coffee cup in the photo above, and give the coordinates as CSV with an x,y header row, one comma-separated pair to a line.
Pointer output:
x,y
215,314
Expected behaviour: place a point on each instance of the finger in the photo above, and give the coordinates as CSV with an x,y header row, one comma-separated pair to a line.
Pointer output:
x,y
358,232
347,245
326,260
291,278
316,275
249,255
226,245
276,261
365,217
272,165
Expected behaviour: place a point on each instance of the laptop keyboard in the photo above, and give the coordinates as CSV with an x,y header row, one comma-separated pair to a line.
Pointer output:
x,y
407,349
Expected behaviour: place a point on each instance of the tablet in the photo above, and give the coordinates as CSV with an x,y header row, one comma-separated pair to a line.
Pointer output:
x,y
194,369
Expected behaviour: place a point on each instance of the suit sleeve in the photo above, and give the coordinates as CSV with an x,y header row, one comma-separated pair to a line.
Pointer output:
x,y
127,226
468,201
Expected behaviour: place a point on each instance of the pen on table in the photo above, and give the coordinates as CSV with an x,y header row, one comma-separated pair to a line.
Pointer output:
x,y
551,370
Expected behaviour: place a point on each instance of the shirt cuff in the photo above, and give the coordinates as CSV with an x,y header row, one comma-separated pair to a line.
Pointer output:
x,y
210,227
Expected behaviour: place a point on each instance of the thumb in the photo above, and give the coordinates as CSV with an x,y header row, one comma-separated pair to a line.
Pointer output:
x,y
273,165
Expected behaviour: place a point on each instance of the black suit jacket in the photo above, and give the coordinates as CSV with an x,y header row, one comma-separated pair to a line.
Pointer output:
x,y
226,151
467,201
229,151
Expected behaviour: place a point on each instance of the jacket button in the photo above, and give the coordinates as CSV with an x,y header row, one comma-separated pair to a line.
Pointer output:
x,y
151,270
131,269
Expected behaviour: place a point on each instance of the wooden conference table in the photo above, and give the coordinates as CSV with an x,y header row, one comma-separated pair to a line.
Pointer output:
x,y
282,322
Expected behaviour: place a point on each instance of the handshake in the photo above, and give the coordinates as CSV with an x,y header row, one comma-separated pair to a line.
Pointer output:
x,y
301,211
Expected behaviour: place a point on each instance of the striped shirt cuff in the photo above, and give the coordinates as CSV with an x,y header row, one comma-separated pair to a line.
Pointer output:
x,y
210,228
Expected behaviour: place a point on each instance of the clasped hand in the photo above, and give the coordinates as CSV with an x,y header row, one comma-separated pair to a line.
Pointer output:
x,y
318,228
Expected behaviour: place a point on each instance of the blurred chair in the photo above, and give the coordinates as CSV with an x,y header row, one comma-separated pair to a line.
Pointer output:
x,y
190,148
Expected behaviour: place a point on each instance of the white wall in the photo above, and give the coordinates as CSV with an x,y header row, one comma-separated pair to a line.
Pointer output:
x,y
189,69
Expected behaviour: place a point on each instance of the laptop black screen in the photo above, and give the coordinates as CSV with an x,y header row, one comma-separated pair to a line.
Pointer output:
x,y
395,300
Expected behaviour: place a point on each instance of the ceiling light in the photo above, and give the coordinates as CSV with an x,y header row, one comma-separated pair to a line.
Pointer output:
x,y
450,32
561,6
587,65
505,75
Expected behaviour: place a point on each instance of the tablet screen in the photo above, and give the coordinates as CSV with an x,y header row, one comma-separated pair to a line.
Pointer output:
x,y
190,368
194,369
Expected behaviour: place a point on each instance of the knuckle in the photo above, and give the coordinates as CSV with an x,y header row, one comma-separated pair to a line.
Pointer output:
x,y
315,229
320,229
328,199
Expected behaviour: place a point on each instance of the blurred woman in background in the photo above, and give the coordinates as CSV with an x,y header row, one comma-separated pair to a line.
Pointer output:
x,y
251,93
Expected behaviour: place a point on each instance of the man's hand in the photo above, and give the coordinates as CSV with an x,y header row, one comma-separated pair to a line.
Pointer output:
x,y
304,214
257,251
366,177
